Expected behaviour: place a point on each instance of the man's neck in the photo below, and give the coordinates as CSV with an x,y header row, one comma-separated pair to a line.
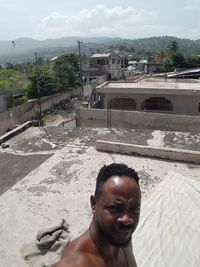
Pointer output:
x,y
105,249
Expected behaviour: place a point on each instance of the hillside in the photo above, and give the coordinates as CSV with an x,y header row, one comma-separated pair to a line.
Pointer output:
x,y
27,44
24,48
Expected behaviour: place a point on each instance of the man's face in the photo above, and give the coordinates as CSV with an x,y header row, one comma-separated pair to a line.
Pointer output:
x,y
117,210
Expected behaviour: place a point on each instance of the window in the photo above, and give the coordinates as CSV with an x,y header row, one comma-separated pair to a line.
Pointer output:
x,y
157,103
103,62
123,103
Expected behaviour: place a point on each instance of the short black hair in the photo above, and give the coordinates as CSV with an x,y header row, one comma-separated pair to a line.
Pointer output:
x,y
114,169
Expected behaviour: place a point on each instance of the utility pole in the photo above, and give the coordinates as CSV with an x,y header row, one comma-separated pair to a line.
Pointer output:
x,y
80,61
38,88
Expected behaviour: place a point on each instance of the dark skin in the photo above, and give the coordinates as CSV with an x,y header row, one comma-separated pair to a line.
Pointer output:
x,y
115,217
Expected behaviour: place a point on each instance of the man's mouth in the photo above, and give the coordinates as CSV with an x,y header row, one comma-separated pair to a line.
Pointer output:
x,y
124,233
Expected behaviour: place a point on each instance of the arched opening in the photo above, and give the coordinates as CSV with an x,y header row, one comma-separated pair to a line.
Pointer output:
x,y
123,103
157,103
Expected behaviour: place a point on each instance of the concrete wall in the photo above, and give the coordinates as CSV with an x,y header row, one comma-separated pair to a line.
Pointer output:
x,y
29,110
134,119
76,92
87,89
6,95
155,152
5,121
3,103
182,104
101,79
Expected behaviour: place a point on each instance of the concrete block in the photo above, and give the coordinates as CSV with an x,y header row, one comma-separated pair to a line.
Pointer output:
x,y
15,131
155,152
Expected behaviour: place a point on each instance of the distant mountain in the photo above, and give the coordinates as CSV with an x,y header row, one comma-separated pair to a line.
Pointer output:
x,y
23,49
155,44
25,44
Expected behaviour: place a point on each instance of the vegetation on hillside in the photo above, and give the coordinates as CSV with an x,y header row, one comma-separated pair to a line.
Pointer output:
x,y
11,79
138,48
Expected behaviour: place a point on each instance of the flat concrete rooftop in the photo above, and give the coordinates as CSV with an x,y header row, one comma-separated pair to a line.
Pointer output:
x,y
60,183
170,86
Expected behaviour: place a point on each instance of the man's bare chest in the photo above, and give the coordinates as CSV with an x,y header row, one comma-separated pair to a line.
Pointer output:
x,y
123,260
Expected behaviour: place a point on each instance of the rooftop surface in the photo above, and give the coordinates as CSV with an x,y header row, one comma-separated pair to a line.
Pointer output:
x,y
34,146
100,55
171,85
65,173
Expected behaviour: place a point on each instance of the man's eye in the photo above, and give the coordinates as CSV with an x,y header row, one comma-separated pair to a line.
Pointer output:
x,y
135,210
112,208
115,208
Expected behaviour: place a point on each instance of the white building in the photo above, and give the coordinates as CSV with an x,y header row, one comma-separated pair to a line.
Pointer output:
x,y
100,64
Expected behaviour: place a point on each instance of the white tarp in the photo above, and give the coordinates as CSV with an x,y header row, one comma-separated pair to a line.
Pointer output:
x,y
169,231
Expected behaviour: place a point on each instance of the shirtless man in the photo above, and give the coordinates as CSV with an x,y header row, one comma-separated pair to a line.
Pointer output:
x,y
116,210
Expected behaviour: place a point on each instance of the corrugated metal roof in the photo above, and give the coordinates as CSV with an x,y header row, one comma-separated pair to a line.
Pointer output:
x,y
185,73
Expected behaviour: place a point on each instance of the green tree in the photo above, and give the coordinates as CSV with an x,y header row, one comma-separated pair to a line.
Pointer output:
x,y
46,80
174,57
171,57
194,59
67,71
173,47
160,57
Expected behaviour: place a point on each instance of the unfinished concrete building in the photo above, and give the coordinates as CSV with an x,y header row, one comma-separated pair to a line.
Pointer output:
x,y
154,95
148,103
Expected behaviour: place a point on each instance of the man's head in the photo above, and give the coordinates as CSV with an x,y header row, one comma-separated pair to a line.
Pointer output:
x,y
116,203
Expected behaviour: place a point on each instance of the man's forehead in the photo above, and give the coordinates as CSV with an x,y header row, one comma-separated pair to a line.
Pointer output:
x,y
119,185
116,180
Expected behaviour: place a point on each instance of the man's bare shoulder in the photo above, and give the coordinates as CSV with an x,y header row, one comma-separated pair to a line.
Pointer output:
x,y
75,260
76,254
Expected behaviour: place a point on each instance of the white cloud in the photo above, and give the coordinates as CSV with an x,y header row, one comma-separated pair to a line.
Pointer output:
x,y
112,22
99,21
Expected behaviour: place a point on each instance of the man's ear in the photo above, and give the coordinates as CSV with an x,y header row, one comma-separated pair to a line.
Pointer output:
x,y
93,203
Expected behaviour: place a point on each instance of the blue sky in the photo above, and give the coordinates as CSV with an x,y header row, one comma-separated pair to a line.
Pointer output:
x,y
127,19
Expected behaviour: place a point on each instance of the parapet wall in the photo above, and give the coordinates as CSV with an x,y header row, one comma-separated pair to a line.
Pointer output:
x,y
135,119
28,111
155,152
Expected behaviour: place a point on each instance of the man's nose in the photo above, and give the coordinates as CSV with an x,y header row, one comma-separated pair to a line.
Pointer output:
x,y
126,219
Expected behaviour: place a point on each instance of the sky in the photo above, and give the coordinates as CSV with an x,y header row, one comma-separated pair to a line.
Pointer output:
x,y
49,19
